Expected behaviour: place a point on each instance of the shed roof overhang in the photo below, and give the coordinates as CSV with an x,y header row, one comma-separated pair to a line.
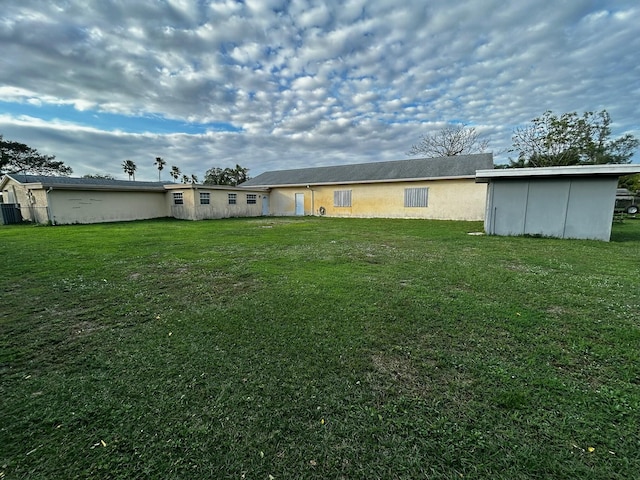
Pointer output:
x,y
485,176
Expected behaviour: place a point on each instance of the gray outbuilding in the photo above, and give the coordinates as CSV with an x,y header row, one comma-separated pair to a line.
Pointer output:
x,y
563,202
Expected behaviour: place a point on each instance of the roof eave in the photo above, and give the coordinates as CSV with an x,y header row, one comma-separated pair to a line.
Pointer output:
x,y
104,188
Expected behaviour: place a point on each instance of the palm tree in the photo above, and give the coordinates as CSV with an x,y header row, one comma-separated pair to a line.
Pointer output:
x,y
160,163
175,173
194,179
185,179
130,168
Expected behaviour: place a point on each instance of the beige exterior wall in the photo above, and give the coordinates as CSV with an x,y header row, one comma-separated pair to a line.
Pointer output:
x,y
456,199
78,206
61,206
283,203
218,207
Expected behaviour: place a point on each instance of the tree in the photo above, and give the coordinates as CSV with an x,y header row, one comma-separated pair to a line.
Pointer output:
x,y
630,182
17,157
160,163
194,179
185,179
570,139
240,175
174,173
450,141
217,176
130,168
226,176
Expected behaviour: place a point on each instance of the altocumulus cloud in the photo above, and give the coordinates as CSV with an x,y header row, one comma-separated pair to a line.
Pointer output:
x,y
274,84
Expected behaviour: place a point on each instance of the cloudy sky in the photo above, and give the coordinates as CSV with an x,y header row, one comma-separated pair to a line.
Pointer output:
x,y
276,84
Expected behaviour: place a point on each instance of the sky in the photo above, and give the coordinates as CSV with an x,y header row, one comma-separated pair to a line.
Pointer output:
x,y
279,84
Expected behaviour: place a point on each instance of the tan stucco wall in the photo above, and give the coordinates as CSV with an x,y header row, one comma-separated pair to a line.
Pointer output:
x,y
457,199
78,206
218,207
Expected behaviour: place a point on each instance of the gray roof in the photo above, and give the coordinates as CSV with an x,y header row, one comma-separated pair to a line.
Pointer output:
x,y
413,169
91,183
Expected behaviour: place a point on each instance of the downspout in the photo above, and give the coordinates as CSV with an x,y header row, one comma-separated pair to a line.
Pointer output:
x,y
313,209
49,209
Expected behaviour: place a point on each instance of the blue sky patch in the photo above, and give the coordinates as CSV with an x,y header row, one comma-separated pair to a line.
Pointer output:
x,y
110,121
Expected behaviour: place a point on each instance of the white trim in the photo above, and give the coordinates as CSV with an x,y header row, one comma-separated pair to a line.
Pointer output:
x,y
483,176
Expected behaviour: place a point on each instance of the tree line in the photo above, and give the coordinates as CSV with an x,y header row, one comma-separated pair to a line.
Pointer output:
x,y
548,140
213,176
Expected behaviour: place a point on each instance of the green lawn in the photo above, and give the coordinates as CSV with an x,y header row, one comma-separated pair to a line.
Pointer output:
x,y
284,348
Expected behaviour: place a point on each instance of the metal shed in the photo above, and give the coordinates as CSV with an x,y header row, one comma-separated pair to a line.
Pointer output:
x,y
562,202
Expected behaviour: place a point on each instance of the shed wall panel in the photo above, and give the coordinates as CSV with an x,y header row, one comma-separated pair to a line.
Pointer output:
x,y
546,207
590,208
507,208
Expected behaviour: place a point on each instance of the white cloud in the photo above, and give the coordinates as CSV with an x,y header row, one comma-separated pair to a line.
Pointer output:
x,y
305,79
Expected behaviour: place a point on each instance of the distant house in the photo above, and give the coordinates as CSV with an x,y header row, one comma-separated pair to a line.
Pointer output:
x,y
563,202
435,188
65,200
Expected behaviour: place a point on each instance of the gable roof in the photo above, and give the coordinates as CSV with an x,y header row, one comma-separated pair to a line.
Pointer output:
x,y
75,183
463,166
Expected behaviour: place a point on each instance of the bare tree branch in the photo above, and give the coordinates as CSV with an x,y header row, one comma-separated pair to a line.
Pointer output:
x,y
450,141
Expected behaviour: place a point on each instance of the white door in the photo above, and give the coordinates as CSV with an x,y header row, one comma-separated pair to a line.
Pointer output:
x,y
299,203
265,206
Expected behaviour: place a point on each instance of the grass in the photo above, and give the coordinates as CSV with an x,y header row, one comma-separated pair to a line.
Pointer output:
x,y
287,348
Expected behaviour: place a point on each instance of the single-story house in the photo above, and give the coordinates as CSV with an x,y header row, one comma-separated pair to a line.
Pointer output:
x,y
563,202
435,188
65,200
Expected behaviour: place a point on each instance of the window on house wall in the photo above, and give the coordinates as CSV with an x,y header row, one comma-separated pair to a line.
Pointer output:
x,y
205,198
233,198
252,199
177,198
342,198
416,197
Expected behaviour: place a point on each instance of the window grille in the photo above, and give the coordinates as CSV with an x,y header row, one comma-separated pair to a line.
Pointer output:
x,y
233,198
342,198
416,197
205,198
252,199
177,198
